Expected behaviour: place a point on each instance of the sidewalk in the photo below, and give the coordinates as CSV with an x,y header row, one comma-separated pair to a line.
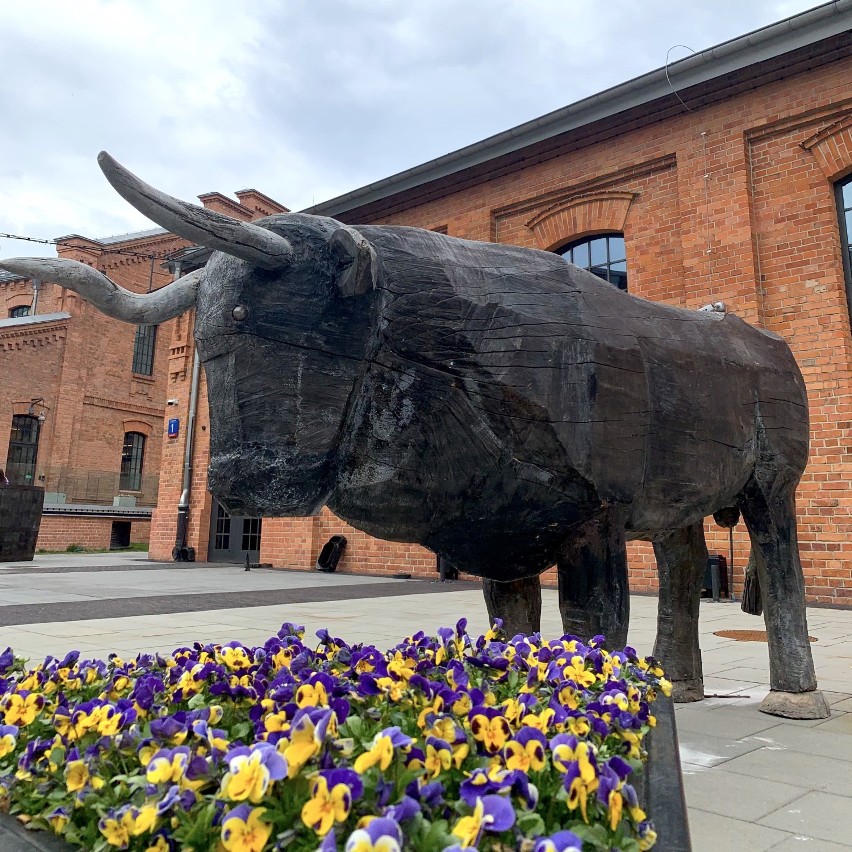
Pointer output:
x,y
753,782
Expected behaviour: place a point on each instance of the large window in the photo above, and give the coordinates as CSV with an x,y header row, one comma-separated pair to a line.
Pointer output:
x,y
143,349
23,449
251,533
132,459
19,311
603,255
844,210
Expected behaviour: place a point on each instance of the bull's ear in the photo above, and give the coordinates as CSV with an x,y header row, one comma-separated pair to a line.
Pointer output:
x,y
359,260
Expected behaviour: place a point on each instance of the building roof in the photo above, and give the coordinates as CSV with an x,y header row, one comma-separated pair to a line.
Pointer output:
x,y
9,276
115,238
771,42
133,235
34,320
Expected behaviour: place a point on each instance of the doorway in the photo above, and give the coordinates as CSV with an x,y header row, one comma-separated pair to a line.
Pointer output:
x,y
232,537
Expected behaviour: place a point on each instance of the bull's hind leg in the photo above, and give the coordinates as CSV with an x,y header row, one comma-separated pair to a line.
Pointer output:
x,y
681,560
771,521
517,603
594,596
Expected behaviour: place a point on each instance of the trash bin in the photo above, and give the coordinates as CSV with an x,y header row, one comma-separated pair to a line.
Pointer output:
x,y
330,554
718,565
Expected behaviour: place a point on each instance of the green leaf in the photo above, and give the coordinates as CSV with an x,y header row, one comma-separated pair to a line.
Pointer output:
x,y
355,726
241,730
197,700
595,835
531,824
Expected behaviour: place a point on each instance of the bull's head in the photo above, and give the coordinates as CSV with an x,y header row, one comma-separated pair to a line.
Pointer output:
x,y
285,323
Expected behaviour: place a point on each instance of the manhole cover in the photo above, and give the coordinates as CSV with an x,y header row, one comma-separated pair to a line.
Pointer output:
x,y
749,635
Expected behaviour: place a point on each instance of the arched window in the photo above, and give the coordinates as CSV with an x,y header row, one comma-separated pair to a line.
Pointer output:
x,y
19,311
844,213
602,254
23,449
132,459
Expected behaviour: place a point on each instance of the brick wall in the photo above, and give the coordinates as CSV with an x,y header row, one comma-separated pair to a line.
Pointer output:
x,y
81,370
92,533
31,358
731,201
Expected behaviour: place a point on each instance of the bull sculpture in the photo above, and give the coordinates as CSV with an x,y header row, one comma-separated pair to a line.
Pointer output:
x,y
495,404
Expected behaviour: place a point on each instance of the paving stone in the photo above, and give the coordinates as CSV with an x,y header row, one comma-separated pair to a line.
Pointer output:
x,y
812,740
803,843
712,832
788,766
839,725
726,723
822,815
838,698
705,750
737,796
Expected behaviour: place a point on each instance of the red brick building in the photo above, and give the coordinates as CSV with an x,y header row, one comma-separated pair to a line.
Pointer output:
x,y
727,178
83,396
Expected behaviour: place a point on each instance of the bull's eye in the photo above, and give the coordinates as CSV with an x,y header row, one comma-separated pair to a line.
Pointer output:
x,y
240,313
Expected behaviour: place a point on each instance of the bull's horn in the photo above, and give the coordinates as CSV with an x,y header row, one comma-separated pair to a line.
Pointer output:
x,y
140,308
205,227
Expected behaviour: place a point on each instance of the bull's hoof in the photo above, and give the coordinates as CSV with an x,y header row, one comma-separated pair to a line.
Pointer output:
x,y
796,705
687,691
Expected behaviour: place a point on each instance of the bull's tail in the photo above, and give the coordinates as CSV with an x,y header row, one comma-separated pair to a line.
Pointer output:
x,y
752,600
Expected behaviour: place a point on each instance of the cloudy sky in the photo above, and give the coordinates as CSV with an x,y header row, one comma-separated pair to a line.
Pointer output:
x,y
301,99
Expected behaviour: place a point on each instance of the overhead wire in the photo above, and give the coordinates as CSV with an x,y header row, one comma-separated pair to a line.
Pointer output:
x,y
90,249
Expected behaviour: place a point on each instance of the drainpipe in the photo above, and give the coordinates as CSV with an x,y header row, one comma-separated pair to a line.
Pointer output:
x,y
36,288
181,551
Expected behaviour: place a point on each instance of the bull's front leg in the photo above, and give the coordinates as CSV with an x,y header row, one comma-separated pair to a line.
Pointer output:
x,y
517,603
594,595
681,560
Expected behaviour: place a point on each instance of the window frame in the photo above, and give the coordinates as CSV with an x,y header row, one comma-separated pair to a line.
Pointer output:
x,y
845,238
566,249
132,462
252,531
222,540
15,312
17,470
144,350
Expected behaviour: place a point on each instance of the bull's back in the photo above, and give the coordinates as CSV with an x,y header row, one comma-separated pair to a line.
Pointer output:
x,y
654,406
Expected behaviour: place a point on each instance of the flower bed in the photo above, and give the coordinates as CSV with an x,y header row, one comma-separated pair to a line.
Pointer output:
x,y
440,743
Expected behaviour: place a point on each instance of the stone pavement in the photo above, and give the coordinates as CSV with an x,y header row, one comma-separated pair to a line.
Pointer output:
x,y
753,782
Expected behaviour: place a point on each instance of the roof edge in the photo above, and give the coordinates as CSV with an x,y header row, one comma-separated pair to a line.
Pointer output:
x,y
35,319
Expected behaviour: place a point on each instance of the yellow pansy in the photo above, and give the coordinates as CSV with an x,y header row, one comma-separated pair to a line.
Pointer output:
x,y
325,807
245,831
76,775
20,710
381,753
248,778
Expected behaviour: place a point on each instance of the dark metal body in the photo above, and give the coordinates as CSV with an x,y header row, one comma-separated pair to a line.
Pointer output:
x,y
508,411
